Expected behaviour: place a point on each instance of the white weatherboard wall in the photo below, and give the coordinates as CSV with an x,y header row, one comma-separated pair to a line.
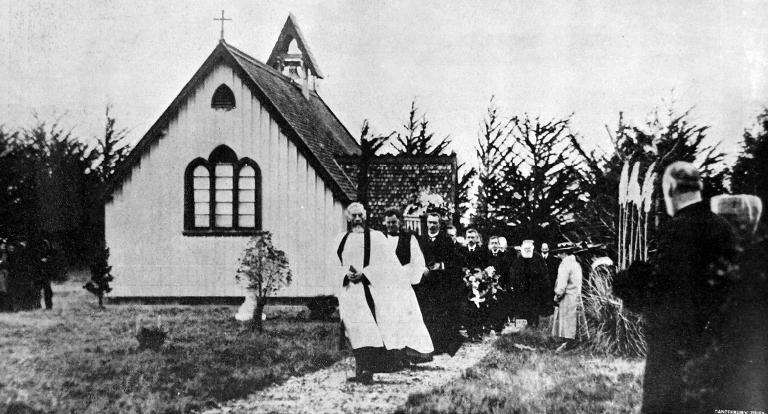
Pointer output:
x,y
144,222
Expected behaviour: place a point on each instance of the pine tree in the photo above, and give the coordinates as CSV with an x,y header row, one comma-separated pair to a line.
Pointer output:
x,y
491,150
750,172
541,175
417,139
370,145
112,150
101,275
665,137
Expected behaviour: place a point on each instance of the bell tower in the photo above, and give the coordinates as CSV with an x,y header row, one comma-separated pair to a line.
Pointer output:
x,y
292,57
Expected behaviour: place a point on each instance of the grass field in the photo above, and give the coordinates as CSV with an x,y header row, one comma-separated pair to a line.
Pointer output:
x,y
79,358
514,380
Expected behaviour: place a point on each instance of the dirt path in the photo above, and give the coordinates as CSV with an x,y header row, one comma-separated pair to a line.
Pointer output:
x,y
328,391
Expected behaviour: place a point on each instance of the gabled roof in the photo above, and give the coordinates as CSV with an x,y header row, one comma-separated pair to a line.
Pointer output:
x,y
290,32
397,180
307,122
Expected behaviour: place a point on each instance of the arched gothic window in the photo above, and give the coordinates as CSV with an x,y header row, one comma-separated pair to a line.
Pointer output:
x,y
223,98
222,194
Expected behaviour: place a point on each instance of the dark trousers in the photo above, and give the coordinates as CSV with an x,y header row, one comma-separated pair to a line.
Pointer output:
x,y
5,302
500,312
45,285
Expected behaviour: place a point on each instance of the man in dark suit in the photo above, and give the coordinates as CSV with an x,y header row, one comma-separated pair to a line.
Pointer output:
x,y
501,263
552,263
45,269
441,290
681,291
475,255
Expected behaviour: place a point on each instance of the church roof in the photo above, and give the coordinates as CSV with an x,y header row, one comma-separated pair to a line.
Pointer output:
x,y
308,122
397,180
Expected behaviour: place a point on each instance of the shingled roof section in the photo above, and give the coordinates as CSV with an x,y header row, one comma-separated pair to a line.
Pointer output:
x,y
308,122
396,181
311,118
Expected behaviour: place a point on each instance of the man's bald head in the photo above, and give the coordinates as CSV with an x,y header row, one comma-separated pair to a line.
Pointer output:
x,y
681,185
682,177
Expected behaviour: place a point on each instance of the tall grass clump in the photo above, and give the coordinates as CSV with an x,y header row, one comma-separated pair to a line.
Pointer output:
x,y
614,329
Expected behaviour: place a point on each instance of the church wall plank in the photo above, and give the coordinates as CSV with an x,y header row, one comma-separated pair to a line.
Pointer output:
x,y
144,221
303,215
291,204
269,207
311,217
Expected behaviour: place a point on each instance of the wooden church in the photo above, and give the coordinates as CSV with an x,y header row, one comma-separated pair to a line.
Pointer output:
x,y
245,146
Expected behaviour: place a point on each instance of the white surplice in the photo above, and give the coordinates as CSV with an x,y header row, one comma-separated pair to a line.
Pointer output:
x,y
398,323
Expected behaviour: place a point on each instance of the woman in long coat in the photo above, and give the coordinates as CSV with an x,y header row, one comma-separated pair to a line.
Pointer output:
x,y
567,297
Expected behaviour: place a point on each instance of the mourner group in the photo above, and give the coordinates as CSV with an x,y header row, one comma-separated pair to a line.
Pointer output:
x,y
405,298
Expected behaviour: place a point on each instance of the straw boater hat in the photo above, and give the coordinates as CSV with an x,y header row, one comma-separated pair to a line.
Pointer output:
x,y
567,249
575,248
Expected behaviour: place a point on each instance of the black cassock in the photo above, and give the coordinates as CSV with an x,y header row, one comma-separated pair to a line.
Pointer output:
x,y
529,284
441,294
679,295
743,352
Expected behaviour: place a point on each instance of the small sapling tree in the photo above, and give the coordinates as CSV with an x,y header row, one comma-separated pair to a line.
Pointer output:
x,y
100,275
265,269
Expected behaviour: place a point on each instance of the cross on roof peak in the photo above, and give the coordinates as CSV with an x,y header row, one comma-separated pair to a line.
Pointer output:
x,y
222,19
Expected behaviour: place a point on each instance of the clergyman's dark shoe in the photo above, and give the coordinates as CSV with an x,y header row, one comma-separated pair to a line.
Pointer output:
x,y
416,357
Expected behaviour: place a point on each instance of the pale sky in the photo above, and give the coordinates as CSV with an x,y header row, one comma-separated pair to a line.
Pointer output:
x,y
594,59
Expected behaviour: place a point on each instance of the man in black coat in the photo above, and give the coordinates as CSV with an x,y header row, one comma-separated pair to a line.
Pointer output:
x,y
501,263
45,270
475,255
441,290
680,292
552,263
529,284
21,276
734,368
